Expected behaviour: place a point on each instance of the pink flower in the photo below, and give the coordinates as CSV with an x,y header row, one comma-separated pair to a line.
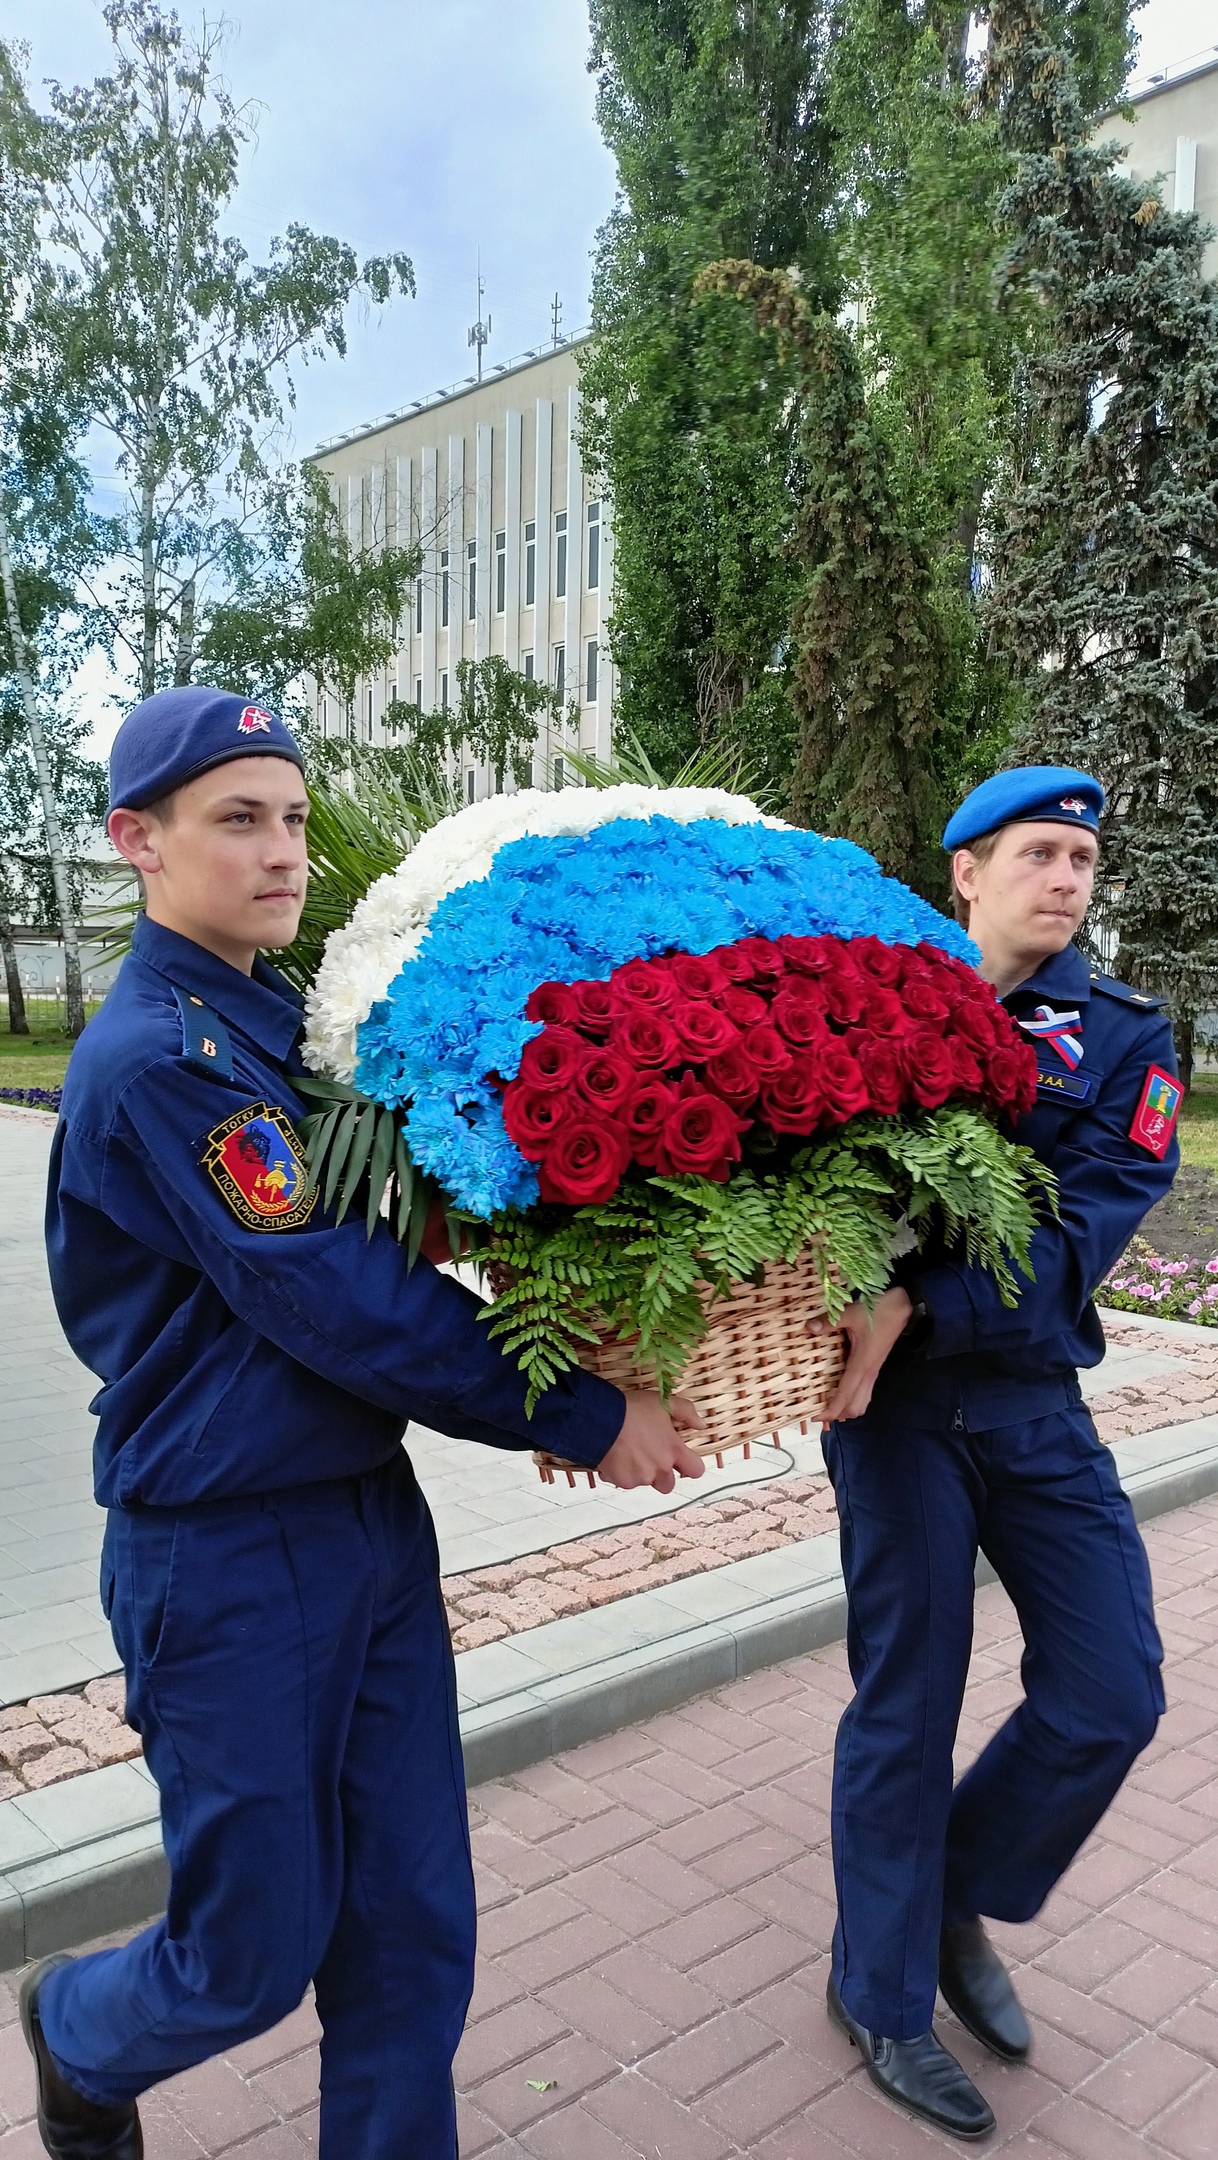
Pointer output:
x,y
1194,1308
1211,1266
1141,1289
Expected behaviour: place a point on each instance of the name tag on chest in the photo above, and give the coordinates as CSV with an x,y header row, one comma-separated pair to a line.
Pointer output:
x,y
1078,1086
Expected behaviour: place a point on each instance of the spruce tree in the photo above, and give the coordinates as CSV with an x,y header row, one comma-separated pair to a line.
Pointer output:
x,y
1105,538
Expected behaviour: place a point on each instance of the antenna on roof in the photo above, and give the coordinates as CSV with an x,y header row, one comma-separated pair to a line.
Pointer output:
x,y
480,334
556,321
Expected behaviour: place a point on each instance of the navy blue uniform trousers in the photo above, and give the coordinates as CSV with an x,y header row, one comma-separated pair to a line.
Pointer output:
x,y
289,1666
1043,1502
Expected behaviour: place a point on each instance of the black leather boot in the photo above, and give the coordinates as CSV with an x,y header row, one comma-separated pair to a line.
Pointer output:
x,y
976,1985
919,2074
71,2127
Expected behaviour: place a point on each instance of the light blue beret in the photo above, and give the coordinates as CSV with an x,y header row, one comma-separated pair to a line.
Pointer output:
x,y
1028,795
173,737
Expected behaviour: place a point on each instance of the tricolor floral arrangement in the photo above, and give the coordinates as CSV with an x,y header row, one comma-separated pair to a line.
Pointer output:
x,y
646,1042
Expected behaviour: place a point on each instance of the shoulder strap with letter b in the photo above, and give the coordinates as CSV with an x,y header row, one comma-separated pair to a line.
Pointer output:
x,y
205,1045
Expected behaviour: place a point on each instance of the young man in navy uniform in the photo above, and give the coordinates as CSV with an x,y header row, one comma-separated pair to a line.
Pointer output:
x,y
269,1565
959,1424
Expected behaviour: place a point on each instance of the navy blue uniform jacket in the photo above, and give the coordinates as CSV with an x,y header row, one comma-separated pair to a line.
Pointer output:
x,y
235,1359
989,1364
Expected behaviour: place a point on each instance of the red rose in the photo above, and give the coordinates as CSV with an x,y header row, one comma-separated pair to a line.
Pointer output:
x,y
732,1076
606,1081
880,1064
924,1002
765,961
928,1067
732,963
532,1116
842,1084
766,1051
794,1101
744,1007
645,1038
886,1014
640,982
845,994
1010,1074
809,955
702,1030
553,1058
585,1161
556,1003
972,1022
799,1015
595,1011
648,1107
965,1065
695,977
701,1136
881,962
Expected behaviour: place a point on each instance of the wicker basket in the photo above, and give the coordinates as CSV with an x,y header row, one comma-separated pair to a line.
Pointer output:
x,y
755,1370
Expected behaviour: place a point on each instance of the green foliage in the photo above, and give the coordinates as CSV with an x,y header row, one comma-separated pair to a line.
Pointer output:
x,y
715,117
1105,545
497,715
646,1262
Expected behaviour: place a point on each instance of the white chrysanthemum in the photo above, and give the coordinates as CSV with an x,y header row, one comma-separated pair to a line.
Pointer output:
x,y
389,923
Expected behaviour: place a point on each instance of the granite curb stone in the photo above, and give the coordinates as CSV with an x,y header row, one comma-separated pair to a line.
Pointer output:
x,y
84,1858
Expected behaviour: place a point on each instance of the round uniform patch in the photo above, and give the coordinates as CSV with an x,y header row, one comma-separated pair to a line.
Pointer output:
x,y
256,1160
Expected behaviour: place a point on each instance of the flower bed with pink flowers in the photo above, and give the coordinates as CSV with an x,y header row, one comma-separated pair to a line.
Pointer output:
x,y
1170,1289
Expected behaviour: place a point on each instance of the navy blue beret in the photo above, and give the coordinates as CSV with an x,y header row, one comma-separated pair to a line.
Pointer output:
x,y
1029,795
173,737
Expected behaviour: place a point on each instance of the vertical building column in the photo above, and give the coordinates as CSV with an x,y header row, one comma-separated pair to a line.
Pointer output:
x,y
543,518
1186,173
482,537
401,535
604,605
458,589
428,518
576,566
511,521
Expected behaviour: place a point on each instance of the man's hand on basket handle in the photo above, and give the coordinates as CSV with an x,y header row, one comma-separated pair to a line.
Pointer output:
x,y
649,1449
870,1336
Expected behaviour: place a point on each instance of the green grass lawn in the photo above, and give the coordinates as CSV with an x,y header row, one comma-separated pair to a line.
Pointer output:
x,y
38,1059
1199,1123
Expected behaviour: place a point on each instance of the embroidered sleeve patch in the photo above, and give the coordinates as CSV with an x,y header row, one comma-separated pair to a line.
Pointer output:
x,y
1154,1120
257,1162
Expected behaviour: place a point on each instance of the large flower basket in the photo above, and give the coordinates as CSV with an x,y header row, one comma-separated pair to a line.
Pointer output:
x,y
684,1079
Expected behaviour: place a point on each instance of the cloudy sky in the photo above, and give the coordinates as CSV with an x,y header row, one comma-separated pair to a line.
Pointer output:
x,y
438,126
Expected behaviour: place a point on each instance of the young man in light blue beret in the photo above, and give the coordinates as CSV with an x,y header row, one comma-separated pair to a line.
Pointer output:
x,y
269,1567
959,1426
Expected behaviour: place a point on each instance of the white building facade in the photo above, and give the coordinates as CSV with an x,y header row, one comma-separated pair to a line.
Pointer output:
x,y
517,553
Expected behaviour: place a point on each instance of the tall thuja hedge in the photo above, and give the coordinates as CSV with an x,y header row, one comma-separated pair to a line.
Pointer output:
x,y
1105,538
715,115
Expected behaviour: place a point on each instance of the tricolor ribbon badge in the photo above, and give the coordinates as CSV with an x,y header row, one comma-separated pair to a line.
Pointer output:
x,y
1055,1029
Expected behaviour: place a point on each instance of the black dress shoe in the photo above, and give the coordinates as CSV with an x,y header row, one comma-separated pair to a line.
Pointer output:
x,y
976,1985
918,2074
71,2127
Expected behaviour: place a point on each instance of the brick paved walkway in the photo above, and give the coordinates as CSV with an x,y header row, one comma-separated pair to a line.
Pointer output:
x,y
656,1908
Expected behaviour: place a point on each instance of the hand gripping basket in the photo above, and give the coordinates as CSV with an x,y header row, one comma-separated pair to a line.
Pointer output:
x,y
755,1370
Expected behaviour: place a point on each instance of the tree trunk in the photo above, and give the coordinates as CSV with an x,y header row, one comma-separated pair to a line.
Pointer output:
x,y
50,812
17,1022
1185,1032
148,564
186,636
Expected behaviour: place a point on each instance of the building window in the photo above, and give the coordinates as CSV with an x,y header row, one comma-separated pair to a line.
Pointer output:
x,y
527,663
443,588
470,784
530,564
418,606
500,572
592,671
560,555
444,690
594,546
559,773
560,671
370,713
325,714
418,693
471,557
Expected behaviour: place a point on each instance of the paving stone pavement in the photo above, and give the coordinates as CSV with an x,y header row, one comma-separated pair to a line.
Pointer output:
x,y
656,1910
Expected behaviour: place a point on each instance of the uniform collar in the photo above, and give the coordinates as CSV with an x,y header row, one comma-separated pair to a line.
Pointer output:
x,y
262,1005
1064,976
